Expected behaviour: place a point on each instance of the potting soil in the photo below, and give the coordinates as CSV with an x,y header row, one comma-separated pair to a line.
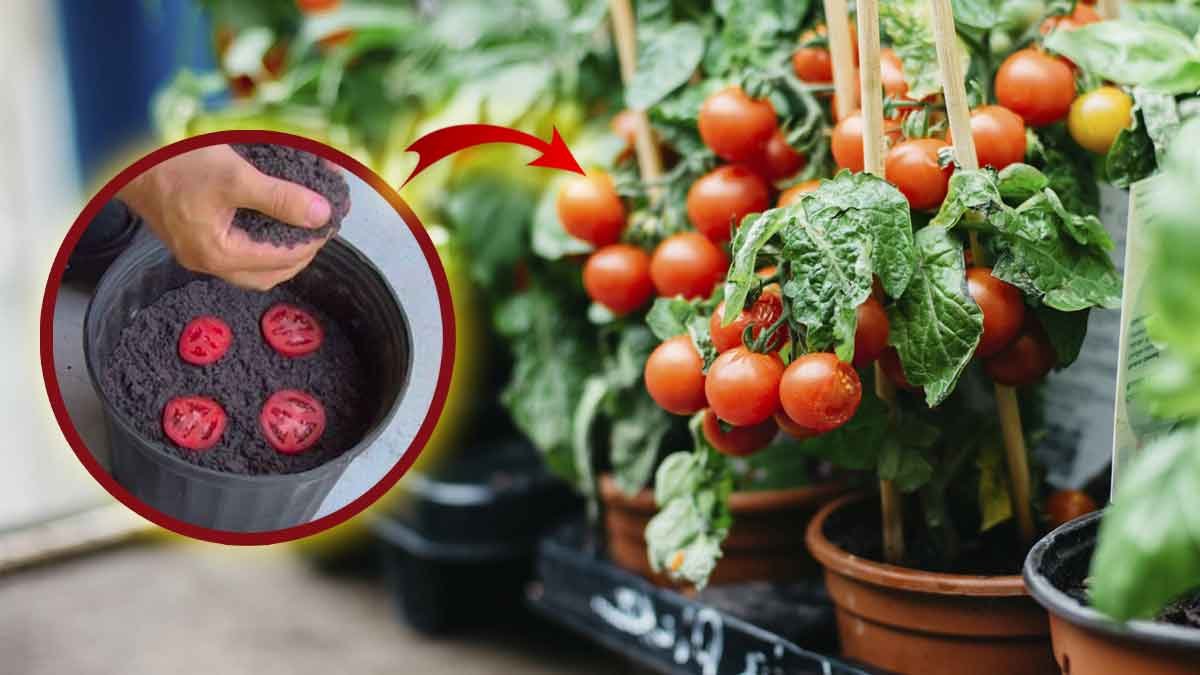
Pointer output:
x,y
145,371
300,167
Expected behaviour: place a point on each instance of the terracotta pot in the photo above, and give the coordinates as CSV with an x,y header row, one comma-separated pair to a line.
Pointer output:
x,y
1085,641
925,623
764,544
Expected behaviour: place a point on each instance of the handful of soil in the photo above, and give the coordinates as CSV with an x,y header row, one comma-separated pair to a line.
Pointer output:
x,y
146,370
297,166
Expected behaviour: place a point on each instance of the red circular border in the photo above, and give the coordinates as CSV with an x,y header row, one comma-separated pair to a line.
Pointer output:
x,y
50,299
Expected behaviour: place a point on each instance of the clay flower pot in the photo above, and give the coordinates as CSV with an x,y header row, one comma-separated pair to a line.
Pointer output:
x,y
764,544
926,623
1085,641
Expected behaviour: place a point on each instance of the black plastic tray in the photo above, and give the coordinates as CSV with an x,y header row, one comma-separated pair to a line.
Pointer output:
x,y
668,633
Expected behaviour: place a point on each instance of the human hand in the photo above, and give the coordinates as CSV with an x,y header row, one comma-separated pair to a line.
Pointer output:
x,y
189,202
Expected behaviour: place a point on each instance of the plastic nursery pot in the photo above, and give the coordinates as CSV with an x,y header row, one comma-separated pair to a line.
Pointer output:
x,y
925,623
764,544
344,284
1085,641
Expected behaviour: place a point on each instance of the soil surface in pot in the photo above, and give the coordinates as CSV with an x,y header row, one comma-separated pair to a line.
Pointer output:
x,y
857,529
1184,611
300,167
145,371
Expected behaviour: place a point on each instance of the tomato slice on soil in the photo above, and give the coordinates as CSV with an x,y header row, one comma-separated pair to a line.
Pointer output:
x,y
204,340
194,422
292,421
291,331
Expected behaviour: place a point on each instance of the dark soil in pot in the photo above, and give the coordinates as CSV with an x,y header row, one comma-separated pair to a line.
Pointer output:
x,y
145,371
297,166
1089,643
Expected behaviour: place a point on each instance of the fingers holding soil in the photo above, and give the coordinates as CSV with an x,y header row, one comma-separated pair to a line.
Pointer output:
x,y
303,197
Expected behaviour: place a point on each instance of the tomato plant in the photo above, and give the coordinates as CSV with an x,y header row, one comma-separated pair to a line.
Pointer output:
x,y
871,336
719,200
1025,360
735,126
590,209
846,144
742,386
687,264
618,277
292,421
194,422
793,194
1003,309
764,313
1038,87
778,159
674,376
1082,15
820,392
913,167
738,441
291,331
204,340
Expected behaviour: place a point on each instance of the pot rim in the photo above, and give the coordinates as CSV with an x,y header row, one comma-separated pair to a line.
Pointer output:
x,y
835,559
1071,610
205,473
746,501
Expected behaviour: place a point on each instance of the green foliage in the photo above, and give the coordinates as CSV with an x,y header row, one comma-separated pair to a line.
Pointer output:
x,y
1133,53
905,25
667,60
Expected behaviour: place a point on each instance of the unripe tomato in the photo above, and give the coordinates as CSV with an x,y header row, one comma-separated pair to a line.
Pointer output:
x,y
738,441
674,376
912,166
1036,86
820,392
1082,16
687,264
1063,506
735,126
1003,309
743,386
590,209
871,337
999,136
778,160
793,194
1025,360
618,277
1098,116
718,200
765,311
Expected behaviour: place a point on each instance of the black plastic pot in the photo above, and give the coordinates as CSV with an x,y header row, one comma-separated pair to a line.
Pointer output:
x,y
343,283
1085,641
110,232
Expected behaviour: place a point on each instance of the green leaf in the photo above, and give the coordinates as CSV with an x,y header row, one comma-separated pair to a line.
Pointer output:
x,y
907,467
1149,546
981,14
1161,117
666,62
855,445
1066,331
1170,392
935,326
1086,230
1133,53
1130,158
1018,182
1182,16
669,317
995,503
756,230
637,437
973,196
782,465
1068,167
595,388
905,25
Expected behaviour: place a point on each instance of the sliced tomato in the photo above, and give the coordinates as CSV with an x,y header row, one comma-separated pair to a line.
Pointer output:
x,y
194,422
291,331
292,421
204,340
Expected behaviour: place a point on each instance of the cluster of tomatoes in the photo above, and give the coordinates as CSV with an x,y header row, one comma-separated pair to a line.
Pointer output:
x,y
291,420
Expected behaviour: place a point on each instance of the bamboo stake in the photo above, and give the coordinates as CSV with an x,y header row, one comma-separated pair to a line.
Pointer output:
x,y
1110,9
837,30
625,35
959,114
890,504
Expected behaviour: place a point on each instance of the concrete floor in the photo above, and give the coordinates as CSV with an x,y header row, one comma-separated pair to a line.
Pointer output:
x,y
186,608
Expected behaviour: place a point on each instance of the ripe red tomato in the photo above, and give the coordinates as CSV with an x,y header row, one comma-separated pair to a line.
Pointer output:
x,y
241,86
889,362
738,441
291,331
778,160
765,311
735,126
820,392
793,194
624,125
687,264
310,6
743,386
892,72
194,422
912,166
718,200
590,209
871,337
814,64
1025,360
618,277
847,141
1036,86
204,340
794,429
336,38
674,376
1082,16
274,59
1003,309
1063,506
999,136
292,421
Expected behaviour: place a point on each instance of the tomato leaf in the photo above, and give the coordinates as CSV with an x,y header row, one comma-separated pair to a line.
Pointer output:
x,y
855,445
637,438
1133,53
995,503
905,25
981,14
1018,182
1066,331
1068,167
906,466
1131,156
754,233
971,199
1149,546
666,61
669,317
935,326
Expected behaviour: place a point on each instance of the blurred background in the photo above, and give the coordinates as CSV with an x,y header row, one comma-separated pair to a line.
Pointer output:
x,y
85,585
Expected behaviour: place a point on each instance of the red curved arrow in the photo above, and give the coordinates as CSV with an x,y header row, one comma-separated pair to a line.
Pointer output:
x,y
439,144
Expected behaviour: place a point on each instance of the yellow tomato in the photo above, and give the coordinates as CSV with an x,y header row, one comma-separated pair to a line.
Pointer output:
x,y
1098,116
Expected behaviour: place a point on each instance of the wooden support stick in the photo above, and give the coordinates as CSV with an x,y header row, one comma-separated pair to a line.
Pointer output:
x,y
841,53
1110,9
890,504
959,114
625,35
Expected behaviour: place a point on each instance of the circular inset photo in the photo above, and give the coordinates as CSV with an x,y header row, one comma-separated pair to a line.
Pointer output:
x,y
247,337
